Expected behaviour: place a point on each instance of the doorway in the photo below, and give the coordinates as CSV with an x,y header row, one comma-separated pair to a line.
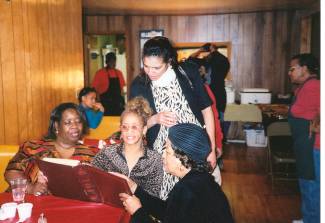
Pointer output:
x,y
96,47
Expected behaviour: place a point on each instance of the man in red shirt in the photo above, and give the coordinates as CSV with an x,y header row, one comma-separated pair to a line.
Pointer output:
x,y
109,83
304,119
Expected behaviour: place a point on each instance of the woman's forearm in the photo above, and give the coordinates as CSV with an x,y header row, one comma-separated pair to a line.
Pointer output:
x,y
210,125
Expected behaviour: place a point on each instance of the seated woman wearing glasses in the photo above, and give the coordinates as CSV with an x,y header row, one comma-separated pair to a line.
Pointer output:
x,y
132,157
196,197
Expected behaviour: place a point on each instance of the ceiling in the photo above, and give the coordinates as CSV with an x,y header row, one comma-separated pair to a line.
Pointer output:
x,y
178,7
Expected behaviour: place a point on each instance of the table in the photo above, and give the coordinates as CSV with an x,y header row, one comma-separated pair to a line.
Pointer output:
x,y
242,113
237,115
57,209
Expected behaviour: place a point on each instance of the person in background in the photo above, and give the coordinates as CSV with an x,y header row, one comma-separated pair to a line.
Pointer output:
x,y
132,157
218,69
203,67
196,197
176,95
66,127
92,110
109,83
304,119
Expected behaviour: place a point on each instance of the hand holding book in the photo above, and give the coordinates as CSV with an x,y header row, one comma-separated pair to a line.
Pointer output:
x,y
70,179
131,183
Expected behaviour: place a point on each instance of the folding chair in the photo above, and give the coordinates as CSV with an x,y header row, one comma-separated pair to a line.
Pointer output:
x,y
281,159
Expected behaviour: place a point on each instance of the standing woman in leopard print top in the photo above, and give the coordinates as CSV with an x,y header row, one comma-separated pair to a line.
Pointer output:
x,y
176,95
132,157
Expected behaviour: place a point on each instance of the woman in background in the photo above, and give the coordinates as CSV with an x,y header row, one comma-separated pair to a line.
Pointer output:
x,y
132,157
176,94
92,110
196,197
66,127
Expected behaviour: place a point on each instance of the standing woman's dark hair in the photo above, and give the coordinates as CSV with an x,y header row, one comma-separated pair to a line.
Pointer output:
x,y
310,61
161,47
85,91
56,117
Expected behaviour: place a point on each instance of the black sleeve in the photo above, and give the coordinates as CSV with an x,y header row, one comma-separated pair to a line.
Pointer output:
x,y
137,86
152,205
202,96
141,216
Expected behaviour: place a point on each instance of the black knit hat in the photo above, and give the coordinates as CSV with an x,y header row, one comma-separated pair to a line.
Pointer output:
x,y
191,139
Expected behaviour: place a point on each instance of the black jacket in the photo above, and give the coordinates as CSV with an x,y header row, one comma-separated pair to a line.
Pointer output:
x,y
195,198
192,87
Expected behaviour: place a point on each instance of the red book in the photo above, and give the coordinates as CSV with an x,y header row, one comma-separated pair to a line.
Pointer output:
x,y
70,179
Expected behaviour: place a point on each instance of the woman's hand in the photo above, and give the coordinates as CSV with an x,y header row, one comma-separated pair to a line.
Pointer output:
x,y
41,178
131,203
40,187
219,152
133,186
165,118
37,189
212,159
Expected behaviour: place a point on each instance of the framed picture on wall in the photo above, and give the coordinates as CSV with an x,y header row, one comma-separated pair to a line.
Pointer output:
x,y
147,34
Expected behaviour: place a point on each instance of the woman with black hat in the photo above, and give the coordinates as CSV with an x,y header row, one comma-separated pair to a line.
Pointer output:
x,y
196,197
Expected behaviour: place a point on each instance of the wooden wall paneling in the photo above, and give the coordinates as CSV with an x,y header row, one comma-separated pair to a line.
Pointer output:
x,y
261,42
57,56
129,50
52,68
280,53
3,7
20,68
258,36
305,41
9,77
27,64
115,24
77,48
67,54
39,67
46,47
90,26
36,101
233,38
102,25
43,60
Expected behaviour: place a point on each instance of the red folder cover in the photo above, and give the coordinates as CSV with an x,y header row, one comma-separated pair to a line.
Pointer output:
x,y
84,182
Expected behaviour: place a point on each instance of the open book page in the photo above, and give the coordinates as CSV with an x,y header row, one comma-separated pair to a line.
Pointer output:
x,y
67,162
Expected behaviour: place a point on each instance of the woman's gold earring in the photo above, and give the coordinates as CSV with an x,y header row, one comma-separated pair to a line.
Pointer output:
x,y
56,131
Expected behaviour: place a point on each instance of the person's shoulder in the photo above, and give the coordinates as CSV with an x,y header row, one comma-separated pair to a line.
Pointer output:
x,y
111,149
311,86
139,84
153,154
37,143
118,71
35,146
189,65
86,150
313,83
140,79
101,71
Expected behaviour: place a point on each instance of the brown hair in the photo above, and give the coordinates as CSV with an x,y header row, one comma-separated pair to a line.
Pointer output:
x,y
139,106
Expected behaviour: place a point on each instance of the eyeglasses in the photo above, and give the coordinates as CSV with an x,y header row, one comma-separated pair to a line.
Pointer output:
x,y
125,128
